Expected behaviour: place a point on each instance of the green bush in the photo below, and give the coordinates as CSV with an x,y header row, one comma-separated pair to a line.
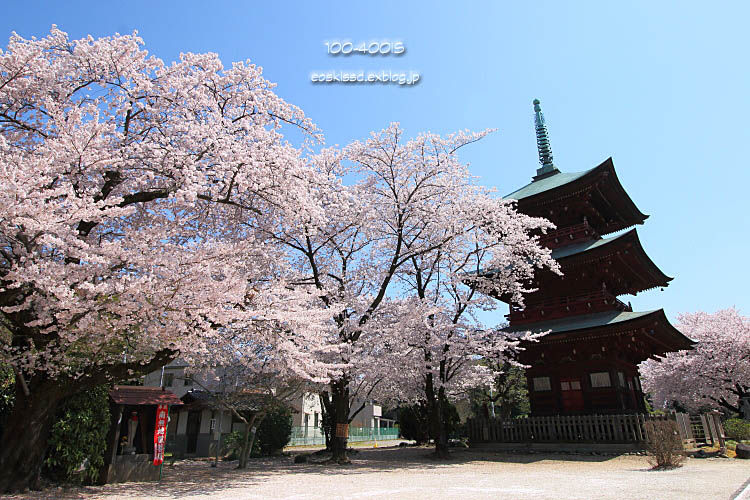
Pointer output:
x,y
78,437
737,429
274,432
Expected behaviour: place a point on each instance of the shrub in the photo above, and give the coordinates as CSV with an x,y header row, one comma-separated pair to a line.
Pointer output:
x,y
664,444
737,429
78,439
274,432
231,444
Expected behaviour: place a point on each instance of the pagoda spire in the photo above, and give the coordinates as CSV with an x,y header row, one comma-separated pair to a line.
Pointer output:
x,y
542,143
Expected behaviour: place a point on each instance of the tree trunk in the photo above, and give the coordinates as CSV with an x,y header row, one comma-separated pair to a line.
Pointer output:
x,y
254,431
24,439
435,412
327,419
340,439
247,442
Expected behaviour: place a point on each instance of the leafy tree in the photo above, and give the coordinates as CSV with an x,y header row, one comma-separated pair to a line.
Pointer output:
x,y
509,395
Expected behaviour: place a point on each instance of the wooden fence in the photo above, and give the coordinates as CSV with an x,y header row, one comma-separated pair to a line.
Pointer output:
x,y
588,429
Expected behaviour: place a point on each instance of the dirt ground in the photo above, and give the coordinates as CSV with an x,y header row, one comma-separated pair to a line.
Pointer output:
x,y
393,473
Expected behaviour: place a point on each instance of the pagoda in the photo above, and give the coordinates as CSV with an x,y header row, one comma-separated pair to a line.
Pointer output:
x,y
588,361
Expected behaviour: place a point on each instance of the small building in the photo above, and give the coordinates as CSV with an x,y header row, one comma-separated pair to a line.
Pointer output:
x,y
130,442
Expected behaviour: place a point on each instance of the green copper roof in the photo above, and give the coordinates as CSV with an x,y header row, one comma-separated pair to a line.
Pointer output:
x,y
546,184
580,322
559,253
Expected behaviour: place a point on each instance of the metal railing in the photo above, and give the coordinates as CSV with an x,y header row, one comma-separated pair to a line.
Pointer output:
x,y
307,436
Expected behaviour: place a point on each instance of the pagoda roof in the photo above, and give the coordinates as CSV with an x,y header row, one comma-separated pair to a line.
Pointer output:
x,y
543,193
647,275
644,277
567,251
585,323
581,322
545,184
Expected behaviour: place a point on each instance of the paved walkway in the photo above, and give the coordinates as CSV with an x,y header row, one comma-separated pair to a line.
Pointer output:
x,y
410,474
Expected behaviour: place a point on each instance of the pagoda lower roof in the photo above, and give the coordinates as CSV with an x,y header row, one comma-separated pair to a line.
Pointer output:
x,y
581,322
615,320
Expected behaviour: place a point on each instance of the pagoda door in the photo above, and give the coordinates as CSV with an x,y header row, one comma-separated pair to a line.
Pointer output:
x,y
572,395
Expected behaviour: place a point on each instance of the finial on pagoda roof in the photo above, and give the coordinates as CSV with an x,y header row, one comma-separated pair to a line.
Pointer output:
x,y
542,143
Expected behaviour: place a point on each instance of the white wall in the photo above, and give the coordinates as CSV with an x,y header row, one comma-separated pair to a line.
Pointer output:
x,y
309,404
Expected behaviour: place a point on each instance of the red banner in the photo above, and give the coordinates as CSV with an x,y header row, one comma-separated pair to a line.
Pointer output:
x,y
160,433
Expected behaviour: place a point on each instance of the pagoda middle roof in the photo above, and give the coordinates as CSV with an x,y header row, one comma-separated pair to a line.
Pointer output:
x,y
657,277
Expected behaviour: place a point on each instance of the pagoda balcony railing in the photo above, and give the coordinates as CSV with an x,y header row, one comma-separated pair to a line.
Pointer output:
x,y
561,307
567,235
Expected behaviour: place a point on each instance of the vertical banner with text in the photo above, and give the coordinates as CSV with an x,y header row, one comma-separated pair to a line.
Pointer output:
x,y
160,433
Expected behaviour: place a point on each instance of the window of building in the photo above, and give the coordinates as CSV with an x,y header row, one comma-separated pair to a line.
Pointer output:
x,y
316,419
637,382
188,380
570,385
621,378
600,379
542,384
168,380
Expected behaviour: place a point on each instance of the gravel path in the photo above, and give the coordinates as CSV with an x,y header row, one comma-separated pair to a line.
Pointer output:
x,y
409,473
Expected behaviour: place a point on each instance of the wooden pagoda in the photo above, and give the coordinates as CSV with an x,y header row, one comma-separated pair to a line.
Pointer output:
x,y
588,362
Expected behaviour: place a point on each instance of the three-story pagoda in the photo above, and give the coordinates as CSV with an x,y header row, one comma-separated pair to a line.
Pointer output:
x,y
588,362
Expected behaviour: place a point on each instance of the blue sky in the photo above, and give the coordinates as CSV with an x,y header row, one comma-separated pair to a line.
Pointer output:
x,y
659,86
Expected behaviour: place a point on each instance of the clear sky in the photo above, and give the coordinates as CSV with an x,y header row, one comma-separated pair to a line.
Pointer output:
x,y
662,87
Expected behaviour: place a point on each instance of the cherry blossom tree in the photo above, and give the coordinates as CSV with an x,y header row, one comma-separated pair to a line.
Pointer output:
x,y
131,208
716,372
494,254
388,199
405,200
